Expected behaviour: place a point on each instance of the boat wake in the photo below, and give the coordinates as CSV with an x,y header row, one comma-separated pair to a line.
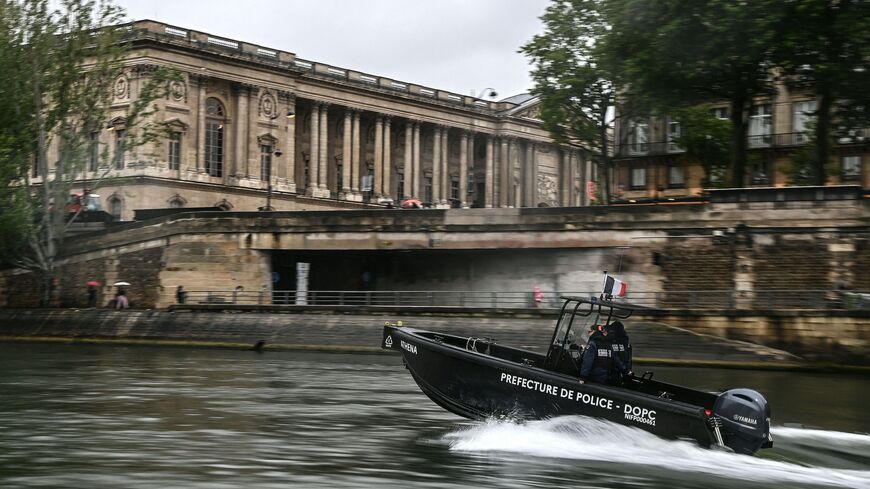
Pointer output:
x,y
597,441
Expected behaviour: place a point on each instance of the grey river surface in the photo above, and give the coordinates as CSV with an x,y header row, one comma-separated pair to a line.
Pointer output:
x,y
74,416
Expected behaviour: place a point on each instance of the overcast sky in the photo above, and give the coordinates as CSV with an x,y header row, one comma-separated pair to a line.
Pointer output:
x,y
456,45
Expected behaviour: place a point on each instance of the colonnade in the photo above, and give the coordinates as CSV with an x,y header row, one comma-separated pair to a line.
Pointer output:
x,y
352,154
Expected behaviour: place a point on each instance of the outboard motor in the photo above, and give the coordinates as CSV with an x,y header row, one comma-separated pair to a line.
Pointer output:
x,y
743,418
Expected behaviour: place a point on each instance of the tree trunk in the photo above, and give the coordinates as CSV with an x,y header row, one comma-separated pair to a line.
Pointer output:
x,y
823,129
738,142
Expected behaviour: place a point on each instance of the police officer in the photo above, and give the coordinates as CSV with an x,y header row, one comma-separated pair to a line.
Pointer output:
x,y
621,346
598,363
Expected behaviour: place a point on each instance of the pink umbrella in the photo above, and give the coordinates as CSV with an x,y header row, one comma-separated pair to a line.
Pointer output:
x,y
411,204
93,283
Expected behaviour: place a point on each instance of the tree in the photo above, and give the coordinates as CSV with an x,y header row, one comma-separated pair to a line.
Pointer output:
x,y
62,64
705,139
685,52
575,78
827,49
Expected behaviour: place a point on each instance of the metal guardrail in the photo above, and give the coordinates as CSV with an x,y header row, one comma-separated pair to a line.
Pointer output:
x,y
671,299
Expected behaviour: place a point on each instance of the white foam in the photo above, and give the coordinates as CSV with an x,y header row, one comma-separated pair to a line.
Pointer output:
x,y
577,437
806,434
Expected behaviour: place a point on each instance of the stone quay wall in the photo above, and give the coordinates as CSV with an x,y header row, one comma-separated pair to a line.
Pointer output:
x,y
750,248
716,338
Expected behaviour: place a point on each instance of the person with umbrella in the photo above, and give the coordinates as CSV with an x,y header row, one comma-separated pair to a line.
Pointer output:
x,y
92,293
121,301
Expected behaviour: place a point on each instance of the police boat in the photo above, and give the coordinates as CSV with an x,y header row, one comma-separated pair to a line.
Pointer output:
x,y
479,379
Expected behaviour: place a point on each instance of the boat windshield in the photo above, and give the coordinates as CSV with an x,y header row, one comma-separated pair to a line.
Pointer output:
x,y
578,315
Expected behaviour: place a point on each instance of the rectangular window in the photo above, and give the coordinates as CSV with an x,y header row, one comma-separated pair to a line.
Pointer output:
x,y
119,149
803,114
469,187
676,177
638,137
760,124
94,151
638,178
720,113
265,162
214,149
339,176
175,151
761,172
673,134
427,189
851,167
400,183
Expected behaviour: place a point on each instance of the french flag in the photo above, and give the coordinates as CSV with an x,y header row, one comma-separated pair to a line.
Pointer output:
x,y
614,287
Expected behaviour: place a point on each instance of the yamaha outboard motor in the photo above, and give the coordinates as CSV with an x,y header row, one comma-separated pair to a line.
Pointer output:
x,y
742,416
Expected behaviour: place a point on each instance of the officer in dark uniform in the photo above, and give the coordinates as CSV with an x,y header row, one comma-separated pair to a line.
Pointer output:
x,y
598,363
621,345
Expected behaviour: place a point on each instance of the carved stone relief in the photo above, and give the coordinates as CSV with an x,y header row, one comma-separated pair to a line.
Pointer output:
x,y
122,88
178,91
268,105
548,190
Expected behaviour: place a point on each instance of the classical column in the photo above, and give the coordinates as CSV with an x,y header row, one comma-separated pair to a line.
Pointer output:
x,y
445,166
463,167
252,154
290,152
240,155
323,152
202,85
377,188
530,176
489,181
314,149
417,164
504,176
388,158
513,165
436,165
356,147
408,190
347,154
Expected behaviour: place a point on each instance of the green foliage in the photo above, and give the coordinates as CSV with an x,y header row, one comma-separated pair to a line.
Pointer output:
x,y
826,48
705,139
57,70
679,53
574,76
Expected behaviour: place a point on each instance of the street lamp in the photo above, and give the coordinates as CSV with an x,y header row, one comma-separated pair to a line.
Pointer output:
x,y
488,93
268,206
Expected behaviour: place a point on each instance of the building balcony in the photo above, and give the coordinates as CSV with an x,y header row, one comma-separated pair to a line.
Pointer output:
x,y
783,140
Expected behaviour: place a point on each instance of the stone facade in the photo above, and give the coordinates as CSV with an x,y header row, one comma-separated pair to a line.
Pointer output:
x,y
256,127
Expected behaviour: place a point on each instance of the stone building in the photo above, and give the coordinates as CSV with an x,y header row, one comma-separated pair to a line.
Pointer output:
x,y
648,163
256,127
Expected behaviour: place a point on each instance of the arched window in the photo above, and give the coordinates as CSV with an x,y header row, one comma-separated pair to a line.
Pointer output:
x,y
215,122
176,202
115,207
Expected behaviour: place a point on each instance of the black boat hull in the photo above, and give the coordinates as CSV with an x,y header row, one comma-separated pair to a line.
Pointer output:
x,y
476,385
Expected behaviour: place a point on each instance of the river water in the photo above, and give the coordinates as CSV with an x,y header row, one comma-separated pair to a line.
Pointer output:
x,y
75,416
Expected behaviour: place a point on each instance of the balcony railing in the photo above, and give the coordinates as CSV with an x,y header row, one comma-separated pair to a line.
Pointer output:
x,y
783,140
416,299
